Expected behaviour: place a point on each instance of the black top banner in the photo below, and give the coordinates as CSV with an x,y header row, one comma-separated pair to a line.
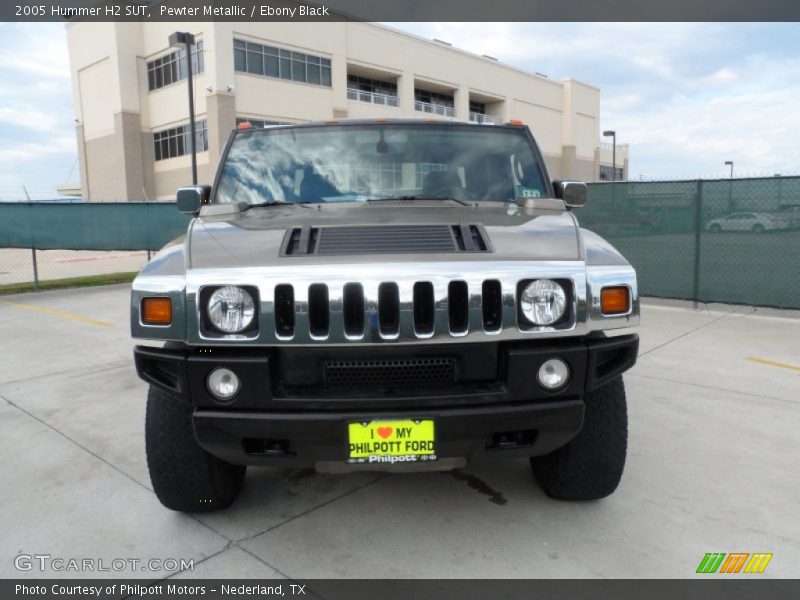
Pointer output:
x,y
401,10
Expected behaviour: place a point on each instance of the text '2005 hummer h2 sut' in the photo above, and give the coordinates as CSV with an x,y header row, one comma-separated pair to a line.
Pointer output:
x,y
394,295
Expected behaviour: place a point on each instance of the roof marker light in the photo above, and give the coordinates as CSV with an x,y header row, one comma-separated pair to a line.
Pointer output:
x,y
244,126
515,122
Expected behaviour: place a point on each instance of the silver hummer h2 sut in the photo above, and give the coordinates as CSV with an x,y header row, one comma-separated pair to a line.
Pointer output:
x,y
386,294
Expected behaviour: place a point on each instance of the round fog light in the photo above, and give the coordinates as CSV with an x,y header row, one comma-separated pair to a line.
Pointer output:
x,y
223,383
553,374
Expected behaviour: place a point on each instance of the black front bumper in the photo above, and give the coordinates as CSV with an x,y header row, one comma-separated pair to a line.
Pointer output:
x,y
304,439
494,408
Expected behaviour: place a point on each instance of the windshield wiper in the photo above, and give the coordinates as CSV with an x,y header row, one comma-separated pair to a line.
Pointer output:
x,y
417,197
276,203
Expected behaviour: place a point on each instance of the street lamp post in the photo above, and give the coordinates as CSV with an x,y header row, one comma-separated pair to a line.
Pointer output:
x,y
613,135
729,163
183,39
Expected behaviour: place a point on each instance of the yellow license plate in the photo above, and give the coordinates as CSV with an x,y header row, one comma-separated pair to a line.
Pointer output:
x,y
391,441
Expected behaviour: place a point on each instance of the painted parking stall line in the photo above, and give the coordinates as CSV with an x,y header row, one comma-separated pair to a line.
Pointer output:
x,y
57,313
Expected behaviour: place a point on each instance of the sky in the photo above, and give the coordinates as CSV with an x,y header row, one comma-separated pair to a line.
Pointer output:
x,y
685,96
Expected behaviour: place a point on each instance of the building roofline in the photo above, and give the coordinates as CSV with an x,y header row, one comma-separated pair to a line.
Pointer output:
x,y
461,51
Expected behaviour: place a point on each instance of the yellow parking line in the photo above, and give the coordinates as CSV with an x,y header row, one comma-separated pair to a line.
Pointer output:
x,y
771,363
58,313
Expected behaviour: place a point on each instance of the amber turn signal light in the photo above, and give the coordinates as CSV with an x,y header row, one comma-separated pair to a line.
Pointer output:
x,y
157,311
614,300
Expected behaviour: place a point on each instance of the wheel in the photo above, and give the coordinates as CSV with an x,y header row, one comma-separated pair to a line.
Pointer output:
x,y
715,228
590,466
184,476
757,228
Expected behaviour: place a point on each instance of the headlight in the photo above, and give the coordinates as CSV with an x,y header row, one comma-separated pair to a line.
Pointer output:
x,y
543,302
231,309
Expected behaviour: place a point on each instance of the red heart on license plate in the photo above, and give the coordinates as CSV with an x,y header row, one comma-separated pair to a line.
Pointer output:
x,y
385,432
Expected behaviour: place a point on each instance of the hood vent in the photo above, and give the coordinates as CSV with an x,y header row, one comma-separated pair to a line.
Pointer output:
x,y
385,239
300,241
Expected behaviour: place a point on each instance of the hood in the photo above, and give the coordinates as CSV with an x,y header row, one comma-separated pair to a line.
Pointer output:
x,y
255,237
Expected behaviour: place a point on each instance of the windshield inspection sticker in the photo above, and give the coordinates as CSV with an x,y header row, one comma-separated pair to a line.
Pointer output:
x,y
528,192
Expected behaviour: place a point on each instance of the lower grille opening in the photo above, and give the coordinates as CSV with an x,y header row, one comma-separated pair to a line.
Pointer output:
x,y
318,314
458,306
508,440
268,447
389,373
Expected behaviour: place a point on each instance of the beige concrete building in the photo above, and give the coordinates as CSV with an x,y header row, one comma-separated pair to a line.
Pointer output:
x,y
131,106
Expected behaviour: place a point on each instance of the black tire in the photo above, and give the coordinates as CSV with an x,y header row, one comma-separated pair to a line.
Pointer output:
x,y
715,228
590,466
757,228
185,477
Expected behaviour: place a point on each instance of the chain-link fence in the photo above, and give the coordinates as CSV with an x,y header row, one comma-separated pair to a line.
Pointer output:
x,y
48,244
733,240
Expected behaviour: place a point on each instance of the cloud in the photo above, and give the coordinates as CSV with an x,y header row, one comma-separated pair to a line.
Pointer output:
x,y
37,138
686,96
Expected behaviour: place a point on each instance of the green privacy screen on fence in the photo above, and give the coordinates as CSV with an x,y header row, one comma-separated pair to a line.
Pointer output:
x,y
90,225
732,241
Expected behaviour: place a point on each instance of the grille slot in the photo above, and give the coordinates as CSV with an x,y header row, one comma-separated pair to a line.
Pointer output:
x,y
318,312
424,310
458,306
399,373
353,309
389,309
284,310
492,305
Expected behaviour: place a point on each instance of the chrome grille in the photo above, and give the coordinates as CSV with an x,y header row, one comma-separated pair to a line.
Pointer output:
x,y
388,314
414,306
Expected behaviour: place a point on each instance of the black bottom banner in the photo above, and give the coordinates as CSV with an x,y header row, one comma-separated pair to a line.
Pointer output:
x,y
405,589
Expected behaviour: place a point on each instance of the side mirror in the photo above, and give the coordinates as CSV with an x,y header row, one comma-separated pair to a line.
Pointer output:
x,y
191,198
573,193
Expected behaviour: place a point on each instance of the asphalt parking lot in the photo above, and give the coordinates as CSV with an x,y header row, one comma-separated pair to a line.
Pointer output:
x,y
714,415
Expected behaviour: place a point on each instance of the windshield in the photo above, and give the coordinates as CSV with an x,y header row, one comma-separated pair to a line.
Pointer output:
x,y
374,162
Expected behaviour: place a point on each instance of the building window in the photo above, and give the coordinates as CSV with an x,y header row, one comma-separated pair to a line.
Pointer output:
x,y
431,102
269,61
375,91
258,123
171,68
606,173
477,114
176,141
477,107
